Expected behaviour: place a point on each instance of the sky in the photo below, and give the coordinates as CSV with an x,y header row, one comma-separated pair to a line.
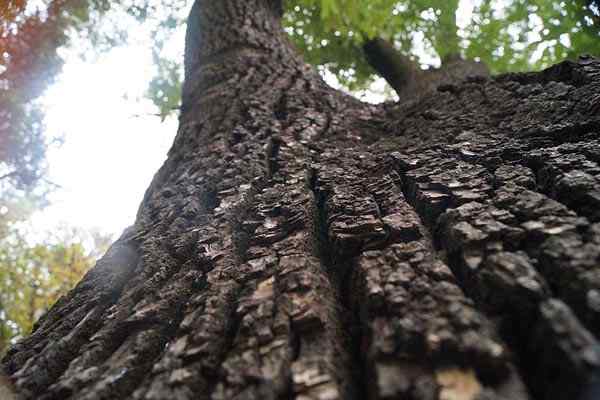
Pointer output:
x,y
112,142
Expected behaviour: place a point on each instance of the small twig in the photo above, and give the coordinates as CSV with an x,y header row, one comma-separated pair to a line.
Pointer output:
x,y
10,174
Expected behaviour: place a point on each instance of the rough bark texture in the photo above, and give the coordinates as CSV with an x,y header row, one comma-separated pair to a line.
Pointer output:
x,y
298,244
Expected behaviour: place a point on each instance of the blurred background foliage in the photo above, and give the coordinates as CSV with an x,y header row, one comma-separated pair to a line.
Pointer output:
x,y
34,276
508,35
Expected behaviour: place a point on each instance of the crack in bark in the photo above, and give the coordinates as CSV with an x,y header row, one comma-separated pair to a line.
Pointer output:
x,y
340,272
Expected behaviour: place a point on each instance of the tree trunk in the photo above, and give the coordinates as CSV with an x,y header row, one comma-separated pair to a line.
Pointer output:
x,y
298,243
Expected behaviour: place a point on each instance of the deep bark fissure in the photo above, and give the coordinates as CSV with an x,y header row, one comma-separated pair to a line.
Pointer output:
x,y
232,329
340,271
361,374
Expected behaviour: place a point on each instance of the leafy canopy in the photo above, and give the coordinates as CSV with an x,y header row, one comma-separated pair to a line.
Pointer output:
x,y
507,35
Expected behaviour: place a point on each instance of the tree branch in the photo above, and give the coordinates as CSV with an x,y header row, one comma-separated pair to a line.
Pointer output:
x,y
408,79
9,175
397,69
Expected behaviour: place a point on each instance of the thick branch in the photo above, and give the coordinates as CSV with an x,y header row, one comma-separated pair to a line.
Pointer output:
x,y
406,77
8,175
397,69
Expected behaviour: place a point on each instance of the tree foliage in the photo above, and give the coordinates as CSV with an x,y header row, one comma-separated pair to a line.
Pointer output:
x,y
30,41
32,37
508,36
34,276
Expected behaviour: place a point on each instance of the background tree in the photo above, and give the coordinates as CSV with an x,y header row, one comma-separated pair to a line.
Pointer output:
x,y
29,44
33,277
32,35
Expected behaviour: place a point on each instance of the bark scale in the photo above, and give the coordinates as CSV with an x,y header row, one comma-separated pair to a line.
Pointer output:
x,y
299,244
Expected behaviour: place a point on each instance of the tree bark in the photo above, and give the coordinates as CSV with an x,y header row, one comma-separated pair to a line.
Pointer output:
x,y
299,244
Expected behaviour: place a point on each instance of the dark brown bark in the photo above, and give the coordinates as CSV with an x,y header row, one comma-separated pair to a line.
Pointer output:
x,y
300,244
